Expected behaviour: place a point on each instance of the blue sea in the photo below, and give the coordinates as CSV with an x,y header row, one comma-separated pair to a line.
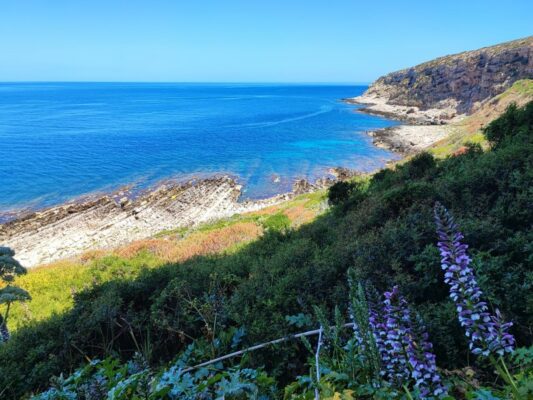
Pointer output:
x,y
59,141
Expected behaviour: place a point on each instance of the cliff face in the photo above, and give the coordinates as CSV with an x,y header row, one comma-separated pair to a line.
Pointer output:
x,y
457,83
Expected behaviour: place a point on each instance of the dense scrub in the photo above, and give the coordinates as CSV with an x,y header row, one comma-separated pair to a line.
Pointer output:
x,y
383,230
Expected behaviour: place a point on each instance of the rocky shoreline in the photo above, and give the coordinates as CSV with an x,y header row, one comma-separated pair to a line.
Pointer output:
x,y
111,220
408,139
107,221
420,128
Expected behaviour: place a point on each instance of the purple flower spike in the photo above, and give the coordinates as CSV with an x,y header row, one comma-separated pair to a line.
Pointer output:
x,y
408,350
423,362
403,344
487,334
394,329
377,326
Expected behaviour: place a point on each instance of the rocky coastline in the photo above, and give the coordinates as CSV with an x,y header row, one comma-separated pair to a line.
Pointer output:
x,y
430,97
419,129
110,220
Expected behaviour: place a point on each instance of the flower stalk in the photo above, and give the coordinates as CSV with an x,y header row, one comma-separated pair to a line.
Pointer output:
x,y
487,334
404,346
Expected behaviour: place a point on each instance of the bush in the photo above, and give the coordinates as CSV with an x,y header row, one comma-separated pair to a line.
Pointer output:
x,y
514,122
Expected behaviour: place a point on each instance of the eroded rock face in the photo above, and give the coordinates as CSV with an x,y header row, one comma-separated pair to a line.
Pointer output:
x,y
456,84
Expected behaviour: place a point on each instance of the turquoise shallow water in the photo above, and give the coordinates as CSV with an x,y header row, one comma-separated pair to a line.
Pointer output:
x,y
62,140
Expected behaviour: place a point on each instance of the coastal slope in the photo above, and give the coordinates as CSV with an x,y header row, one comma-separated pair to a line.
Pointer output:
x,y
449,97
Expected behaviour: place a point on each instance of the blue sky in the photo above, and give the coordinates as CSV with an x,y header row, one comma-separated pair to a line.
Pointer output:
x,y
243,40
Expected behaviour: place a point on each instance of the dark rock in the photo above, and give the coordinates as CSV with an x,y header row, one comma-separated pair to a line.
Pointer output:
x,y
301,186
465,79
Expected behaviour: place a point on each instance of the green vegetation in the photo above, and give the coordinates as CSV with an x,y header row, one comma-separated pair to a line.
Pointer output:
x,y
291,278
457,139
513,123
53,287
470,129
9,294
523,87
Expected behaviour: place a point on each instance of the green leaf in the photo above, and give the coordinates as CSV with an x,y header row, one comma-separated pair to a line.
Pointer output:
x,y
300,320
482,394
10,294
6,251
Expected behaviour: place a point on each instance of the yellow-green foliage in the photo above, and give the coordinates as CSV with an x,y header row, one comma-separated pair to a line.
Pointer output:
x,y
523,87
53,287
457,139
469,130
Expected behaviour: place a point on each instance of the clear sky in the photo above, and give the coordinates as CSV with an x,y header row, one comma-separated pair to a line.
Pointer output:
x,y
243,40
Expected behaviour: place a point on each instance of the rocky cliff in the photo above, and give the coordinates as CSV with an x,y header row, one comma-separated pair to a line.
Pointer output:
x,y
452,85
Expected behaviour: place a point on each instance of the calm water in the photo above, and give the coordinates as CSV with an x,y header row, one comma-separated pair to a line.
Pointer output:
x,y
59,141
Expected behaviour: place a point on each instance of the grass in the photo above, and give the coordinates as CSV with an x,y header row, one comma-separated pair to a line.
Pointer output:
x,y
54,286
469,130
455,141
522,87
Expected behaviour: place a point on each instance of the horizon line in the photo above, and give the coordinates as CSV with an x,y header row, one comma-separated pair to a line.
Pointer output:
x,y
195,82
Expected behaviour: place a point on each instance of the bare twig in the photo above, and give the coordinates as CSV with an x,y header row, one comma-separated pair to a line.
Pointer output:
x,y
317,361
260,346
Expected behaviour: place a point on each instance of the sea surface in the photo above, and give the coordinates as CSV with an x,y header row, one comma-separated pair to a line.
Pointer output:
x,y
59,141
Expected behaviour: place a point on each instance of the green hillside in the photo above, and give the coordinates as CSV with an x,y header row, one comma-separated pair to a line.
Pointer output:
x,y
53,286
469,130
383,231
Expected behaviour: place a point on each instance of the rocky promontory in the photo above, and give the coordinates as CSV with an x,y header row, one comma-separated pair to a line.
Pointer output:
x,y
444,91
455,84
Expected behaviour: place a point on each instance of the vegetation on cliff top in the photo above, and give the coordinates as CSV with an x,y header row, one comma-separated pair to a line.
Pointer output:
x,y
383,231
470,129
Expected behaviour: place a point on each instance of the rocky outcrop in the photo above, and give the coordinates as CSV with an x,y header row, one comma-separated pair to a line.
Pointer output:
x,y
408,139
112,220
438,91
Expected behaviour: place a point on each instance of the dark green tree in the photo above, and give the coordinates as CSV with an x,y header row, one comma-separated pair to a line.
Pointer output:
x,y
9,269
512,123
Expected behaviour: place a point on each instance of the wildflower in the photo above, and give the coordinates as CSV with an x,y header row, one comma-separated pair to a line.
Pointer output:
x,y
377,326
403,344
487,334
361,314
393,331
423,361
